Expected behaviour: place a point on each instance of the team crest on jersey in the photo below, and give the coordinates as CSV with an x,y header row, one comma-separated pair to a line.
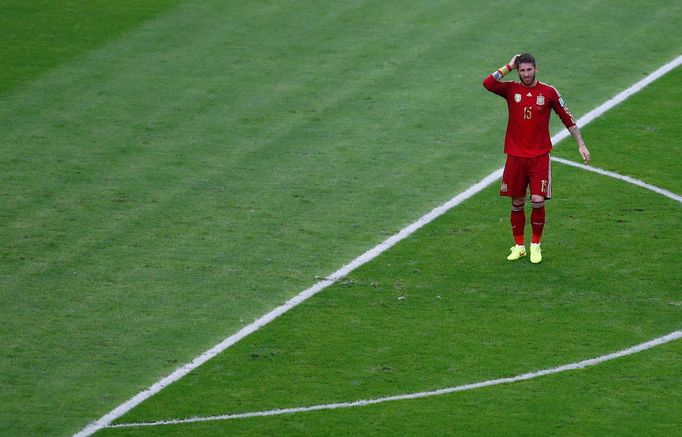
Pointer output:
x,y
540,100
517,97
503,187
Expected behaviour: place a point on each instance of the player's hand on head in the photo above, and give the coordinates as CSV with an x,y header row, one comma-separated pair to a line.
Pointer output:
x,y
512,63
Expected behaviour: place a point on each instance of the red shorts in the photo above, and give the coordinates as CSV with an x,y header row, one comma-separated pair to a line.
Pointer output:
x,y
519,173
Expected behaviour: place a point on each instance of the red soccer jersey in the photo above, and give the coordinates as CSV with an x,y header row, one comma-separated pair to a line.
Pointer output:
x,y
529,110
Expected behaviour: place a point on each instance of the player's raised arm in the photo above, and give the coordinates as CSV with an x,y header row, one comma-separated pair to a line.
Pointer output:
x,y
492,82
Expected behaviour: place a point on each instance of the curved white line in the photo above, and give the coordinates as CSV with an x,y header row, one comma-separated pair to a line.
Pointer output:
x,y
361,403
106,420
621,177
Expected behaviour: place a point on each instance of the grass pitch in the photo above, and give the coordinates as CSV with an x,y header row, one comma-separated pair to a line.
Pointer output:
x,y
429,314
184,172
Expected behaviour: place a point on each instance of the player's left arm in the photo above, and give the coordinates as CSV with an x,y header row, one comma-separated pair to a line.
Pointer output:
x,y
581,144
566,118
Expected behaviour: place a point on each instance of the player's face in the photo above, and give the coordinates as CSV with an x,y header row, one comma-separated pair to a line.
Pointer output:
x,y
527,74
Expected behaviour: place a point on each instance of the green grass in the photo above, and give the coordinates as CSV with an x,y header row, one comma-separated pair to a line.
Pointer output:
x,y
183,173
463,319
40,35
641,128
423,317
636,395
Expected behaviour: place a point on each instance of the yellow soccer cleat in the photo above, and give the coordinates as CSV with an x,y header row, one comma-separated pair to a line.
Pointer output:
x,y
516,252
535,253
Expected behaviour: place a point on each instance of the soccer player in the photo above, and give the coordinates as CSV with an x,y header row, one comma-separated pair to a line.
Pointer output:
x,y
527,144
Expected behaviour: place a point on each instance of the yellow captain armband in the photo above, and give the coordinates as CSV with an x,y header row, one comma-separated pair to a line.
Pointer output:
x,y
501,72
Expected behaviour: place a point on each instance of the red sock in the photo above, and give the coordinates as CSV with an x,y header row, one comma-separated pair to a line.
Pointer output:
x,y
518,224
537,220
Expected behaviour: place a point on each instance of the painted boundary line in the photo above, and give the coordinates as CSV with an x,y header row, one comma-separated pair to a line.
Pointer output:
x,y
627,179
106,420
620,97
676,335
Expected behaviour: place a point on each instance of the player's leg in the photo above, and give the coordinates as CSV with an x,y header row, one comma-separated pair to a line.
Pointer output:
x,y
537,217
540,189
514,185
518,225
518,219
537,220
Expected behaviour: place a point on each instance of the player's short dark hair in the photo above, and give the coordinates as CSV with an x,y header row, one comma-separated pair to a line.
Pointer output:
x,y
524,58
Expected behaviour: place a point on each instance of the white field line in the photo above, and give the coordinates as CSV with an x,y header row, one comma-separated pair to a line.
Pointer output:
x,y
620,97
179,373
361,403
106,420
627,179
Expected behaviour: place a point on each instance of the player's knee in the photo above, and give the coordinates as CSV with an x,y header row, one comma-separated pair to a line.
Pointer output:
x,y
537,200
518,206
